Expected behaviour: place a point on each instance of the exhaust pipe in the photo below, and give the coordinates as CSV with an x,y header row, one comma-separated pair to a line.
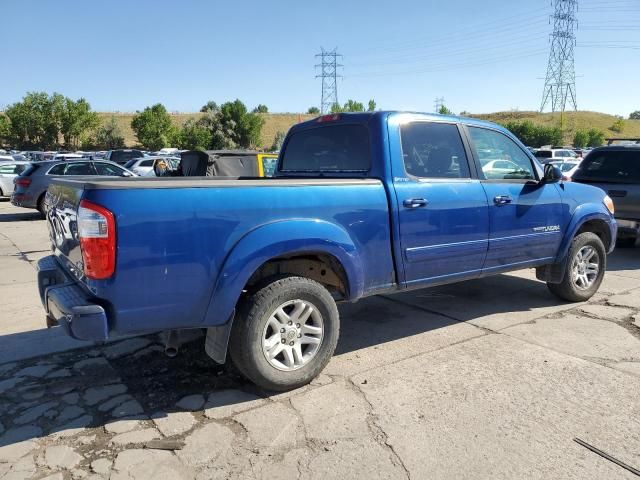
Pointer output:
x,y
171,344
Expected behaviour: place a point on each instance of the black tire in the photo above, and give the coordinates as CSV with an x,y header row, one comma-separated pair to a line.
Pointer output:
x,y
626,242
40,206
569,289
250,325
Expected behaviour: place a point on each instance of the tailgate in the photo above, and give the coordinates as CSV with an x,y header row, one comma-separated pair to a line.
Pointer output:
x,y
61,202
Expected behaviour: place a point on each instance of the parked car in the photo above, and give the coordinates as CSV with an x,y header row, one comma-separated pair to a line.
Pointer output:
x,y
361,204
8,171
7,158
616,170
567,167
122,156
163,164
143,165
31,185
545,155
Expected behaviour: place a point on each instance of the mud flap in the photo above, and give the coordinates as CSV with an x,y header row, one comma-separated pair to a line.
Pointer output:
x,y
217,341
552,273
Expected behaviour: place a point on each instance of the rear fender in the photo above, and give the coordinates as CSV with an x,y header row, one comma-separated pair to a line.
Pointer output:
x,y
284,238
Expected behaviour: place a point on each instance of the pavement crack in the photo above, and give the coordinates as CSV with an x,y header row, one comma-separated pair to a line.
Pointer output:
x,y
379,435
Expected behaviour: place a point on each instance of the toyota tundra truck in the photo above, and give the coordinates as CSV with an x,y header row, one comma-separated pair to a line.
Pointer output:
x,y
360,204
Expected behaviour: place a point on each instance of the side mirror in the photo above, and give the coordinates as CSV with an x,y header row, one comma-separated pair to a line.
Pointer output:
x,y
552,174
126,174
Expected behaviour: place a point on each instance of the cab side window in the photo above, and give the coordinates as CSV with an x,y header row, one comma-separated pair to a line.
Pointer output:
x,y
500,157
433,150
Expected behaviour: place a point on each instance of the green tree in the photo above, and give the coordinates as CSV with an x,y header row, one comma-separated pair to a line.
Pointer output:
x,y
313,111
5,130
210,106
635,115
581,139
76,120
336,108
193,135
596,137
277,141
535,135
261,109
353,106
109,135
34,122
371,107
153,127
245,128
618,126
444,111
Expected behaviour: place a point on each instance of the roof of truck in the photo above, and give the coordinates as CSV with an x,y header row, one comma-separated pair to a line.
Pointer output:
x,y
364,117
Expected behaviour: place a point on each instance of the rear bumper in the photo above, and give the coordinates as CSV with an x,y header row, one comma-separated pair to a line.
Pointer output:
x,y
68,305
23,200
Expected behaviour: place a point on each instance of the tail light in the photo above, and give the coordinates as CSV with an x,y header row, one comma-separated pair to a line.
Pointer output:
x,y
22,181
97,233
334,117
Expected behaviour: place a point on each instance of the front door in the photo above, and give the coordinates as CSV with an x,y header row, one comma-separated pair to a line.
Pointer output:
x,y
525,215
442,209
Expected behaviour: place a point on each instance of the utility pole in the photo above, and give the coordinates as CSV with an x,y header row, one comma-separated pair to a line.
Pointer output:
x,y
560,82
438,103
329,73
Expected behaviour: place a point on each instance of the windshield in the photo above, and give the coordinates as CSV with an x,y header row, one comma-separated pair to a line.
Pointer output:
x,y
335,148
610,166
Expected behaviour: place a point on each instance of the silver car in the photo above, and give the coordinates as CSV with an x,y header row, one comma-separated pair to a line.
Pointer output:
x,y
9,171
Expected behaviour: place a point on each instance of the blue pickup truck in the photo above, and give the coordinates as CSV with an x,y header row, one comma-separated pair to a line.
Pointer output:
x,y
361,204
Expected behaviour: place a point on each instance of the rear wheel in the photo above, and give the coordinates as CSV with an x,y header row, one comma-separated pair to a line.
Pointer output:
x,y
285,333
586,265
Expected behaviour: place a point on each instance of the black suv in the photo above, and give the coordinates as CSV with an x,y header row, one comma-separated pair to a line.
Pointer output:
x,y
122,156
616,170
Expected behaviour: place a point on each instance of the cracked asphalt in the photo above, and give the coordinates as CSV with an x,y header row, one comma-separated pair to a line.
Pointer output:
x,y
491,378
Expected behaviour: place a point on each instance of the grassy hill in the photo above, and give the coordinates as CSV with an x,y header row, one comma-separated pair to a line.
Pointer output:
x,y
275,122
573,121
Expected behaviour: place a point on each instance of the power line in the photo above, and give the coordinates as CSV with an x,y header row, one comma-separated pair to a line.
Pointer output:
x,y
560,82
329,73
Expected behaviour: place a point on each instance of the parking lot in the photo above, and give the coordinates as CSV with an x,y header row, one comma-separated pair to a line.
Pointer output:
x,y
491,378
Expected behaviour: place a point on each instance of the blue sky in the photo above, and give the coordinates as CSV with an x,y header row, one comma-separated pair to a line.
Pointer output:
x,y
481,56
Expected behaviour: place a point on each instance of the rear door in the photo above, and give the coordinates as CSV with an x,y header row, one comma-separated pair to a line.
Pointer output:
x,y
442,208
525,215
617,172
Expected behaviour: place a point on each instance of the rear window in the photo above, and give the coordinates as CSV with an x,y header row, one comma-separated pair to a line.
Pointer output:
x,y
610,167
543,154
336,148
29,170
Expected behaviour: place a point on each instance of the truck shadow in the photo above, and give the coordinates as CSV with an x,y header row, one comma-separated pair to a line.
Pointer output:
x,y
97,389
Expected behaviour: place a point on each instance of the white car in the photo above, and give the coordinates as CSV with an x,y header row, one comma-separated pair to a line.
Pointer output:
x,y
144,166
500,168
9,171
545,155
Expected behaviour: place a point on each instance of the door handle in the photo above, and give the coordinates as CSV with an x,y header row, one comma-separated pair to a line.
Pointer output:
x,y
415,202
502,200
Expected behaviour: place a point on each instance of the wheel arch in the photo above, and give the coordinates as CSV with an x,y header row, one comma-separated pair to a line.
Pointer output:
x,y
290,246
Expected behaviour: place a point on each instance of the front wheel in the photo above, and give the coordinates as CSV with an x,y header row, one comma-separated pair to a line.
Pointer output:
x,y
586,264
285,333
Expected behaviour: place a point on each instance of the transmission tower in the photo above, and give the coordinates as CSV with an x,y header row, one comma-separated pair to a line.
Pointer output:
x,y
560,82
438,103
329,73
